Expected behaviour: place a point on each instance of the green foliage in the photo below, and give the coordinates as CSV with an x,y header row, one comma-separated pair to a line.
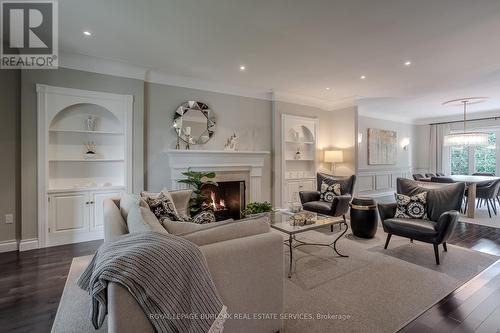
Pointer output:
x,y
257,207
484,158
460,160
196,180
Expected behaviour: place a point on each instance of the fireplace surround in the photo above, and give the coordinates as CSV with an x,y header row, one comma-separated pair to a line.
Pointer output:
x,y
228,165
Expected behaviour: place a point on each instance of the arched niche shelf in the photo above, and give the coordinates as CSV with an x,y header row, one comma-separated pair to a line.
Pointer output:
x,y
73,180
74,117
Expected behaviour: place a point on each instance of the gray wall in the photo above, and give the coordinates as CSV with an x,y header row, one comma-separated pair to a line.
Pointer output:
x,y
69,78
337,130
405,157
250,118
10,177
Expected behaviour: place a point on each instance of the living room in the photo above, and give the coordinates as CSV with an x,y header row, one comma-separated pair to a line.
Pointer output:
x,y
317,166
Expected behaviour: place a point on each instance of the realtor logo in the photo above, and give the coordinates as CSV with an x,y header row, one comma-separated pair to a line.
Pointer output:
x,y
29,34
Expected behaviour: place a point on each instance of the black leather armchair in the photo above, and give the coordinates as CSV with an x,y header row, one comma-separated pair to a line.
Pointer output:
x,y
443,204
339,207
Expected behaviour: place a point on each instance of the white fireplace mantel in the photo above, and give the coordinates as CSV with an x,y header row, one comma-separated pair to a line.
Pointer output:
x,y
218,161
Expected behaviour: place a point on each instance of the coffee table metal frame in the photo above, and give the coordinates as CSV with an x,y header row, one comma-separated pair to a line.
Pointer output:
x,y
293,242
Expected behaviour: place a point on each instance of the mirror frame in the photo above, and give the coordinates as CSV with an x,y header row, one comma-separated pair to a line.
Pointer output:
x,y
199,107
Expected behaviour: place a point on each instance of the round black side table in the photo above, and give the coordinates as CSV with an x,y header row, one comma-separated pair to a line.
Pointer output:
x,y
364,217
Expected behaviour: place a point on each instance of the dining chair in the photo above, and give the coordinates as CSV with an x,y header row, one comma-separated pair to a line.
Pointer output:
x,y
488,194
442,180
430,175
440,174
418,176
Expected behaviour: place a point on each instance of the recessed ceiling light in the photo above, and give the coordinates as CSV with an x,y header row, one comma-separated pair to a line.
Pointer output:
x,y
87,33
242,68
407,63
363,77
327,88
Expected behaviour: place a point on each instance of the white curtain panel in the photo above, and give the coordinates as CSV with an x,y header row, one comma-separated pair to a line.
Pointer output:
x,y
439,155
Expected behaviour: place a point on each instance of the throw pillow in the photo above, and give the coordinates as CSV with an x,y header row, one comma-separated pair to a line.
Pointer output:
x,y
162,205
328,191
414,207
204,217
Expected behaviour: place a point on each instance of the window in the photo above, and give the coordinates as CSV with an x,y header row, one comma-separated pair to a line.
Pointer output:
x,y
484,158
459,160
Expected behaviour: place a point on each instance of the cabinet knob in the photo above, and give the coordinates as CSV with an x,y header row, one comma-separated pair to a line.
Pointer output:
x,y
91,202
87,203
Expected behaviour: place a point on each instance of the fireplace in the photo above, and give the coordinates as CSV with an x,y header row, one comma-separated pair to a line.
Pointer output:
x,y
227,200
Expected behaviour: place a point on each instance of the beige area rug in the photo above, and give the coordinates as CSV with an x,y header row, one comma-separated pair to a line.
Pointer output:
x,y
73,313
482,218
374,290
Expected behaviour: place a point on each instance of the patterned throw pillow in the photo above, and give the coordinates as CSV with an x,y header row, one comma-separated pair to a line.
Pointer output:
x,y
206,216
414,207
328,191
162,206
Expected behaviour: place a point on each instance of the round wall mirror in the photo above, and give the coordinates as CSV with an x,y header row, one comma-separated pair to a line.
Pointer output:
x,y
194,123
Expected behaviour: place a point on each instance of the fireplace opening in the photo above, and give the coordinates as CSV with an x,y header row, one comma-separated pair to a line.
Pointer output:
x,y
227,200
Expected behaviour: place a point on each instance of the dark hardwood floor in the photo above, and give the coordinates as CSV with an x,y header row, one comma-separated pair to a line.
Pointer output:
x,y
31,284
475,306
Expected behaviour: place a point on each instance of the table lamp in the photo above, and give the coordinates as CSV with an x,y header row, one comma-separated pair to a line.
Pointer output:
x,y
334,156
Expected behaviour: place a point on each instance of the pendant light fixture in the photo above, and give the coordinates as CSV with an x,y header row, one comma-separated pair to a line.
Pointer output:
x,y
465,138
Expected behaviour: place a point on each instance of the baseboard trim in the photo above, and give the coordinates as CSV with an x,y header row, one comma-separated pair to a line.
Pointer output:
x,y
8,245
28,244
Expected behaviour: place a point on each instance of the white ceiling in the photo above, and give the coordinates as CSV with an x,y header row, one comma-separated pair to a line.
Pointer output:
x,y
299,47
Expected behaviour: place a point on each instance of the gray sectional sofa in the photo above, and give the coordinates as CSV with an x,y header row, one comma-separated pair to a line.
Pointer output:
x,y
245,260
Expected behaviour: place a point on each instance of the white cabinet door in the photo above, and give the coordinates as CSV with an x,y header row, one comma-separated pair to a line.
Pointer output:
x,y
292,193
97,204
68,217
308,185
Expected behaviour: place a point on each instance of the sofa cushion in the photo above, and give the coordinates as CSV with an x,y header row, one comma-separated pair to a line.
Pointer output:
x,y
181,228
328,191
204,217
440,197
240,229
321,207
141,219
180,198
414,207
128,201
162,206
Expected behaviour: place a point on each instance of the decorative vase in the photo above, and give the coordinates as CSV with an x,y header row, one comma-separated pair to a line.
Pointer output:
x,y
90,123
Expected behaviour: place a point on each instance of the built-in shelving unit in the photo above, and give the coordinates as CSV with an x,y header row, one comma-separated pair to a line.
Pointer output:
x,y
72,186
298,156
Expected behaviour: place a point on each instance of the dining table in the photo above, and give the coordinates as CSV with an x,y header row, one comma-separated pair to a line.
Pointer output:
x,y
472,182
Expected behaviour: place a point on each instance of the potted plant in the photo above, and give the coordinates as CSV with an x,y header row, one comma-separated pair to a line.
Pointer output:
x,y
254,209
196,180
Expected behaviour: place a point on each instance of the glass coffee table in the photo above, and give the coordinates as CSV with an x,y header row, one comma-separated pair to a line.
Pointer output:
x,y
281,220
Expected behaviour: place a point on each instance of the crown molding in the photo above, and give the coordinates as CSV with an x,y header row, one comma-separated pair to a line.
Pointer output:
x,y
471,116
122,69
101,66
328,105
159,77
390,117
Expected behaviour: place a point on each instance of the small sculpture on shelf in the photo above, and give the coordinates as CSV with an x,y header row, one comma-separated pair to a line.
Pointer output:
x,y
90,123
89,150
298,154
187,133
231,143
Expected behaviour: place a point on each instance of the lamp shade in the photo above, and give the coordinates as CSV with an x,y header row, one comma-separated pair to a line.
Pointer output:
x,y
334,156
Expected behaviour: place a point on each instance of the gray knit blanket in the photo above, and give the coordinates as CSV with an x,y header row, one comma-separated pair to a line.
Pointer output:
x,y
167,275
